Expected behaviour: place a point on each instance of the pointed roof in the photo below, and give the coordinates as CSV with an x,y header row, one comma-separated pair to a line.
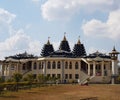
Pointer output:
x,y
48,42
114,51
64,45
64,39
47,49
79,49
79,40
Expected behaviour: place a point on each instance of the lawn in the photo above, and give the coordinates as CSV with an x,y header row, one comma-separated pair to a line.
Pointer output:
x,y
66,92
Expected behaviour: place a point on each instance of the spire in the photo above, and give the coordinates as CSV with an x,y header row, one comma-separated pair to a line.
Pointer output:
x,y
79,40
79,49
48,43
114,49
64,45
47,49
64,39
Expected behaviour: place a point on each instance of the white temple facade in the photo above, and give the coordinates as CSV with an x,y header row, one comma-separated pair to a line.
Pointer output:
x,y
64,64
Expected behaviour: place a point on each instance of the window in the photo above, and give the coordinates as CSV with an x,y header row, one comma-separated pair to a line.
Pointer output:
x,y
70,76
53,75
53,65
40,65
76,65
66,65
76,76
58,65
70,65
49,65
58,76
23,67
35,65
66,76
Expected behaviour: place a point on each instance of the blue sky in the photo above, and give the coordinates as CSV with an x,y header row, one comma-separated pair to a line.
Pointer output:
x,y
25,25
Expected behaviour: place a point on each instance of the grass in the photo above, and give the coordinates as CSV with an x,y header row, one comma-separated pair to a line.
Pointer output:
x,y
66,92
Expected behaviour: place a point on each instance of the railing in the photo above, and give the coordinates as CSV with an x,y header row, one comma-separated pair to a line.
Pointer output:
x,y
85,77
26,72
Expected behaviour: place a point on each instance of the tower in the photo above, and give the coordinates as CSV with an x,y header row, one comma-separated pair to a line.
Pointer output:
x,y
47,49
79,50
114,58
64,45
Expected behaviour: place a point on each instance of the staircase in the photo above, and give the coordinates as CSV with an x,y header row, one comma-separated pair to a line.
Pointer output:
x,y
84,77
27,72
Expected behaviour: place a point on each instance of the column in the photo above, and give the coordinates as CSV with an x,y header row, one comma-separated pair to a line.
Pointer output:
x,y
62,71
44,68
102,68
88,69
94,68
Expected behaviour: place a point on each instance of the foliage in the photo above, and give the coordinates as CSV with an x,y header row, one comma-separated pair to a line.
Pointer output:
x,y
2,80
17,77
30,78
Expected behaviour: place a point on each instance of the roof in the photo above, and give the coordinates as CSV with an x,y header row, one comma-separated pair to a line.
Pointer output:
x,y
61,53
98,54
24,55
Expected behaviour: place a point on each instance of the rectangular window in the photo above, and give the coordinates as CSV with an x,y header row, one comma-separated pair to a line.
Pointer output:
x,y
66,76
58,76
76,76
53,75
70,76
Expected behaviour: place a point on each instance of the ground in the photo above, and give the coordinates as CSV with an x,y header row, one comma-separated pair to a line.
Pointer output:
x,y
67,92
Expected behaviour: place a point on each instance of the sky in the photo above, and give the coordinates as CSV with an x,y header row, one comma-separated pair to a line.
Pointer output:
x,y
25,25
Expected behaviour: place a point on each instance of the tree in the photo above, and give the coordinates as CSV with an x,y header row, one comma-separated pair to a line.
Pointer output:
x,y
30,78
2,79
17,77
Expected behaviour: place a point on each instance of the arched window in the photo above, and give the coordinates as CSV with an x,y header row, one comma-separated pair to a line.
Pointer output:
x,y
23,66
49,65
58,65
70,65
66,65
76,65
35,65
53,65
40,65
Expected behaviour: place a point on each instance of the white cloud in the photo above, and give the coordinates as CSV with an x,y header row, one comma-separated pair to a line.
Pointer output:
x,y
109,29
15,41
93,49
6,19
19,42
65,9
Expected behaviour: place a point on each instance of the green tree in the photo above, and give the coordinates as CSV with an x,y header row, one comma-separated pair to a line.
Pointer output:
x,y
17,77
30,78
2,79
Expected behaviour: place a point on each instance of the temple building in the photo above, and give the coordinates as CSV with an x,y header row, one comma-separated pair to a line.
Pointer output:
x,y
66,64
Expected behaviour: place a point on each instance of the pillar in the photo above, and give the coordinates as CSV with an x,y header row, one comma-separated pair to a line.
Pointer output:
x,y
88,69
102,68
94,68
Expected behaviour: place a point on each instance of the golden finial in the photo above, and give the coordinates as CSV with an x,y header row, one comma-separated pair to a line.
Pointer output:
x,y
79,40
48,41
64,39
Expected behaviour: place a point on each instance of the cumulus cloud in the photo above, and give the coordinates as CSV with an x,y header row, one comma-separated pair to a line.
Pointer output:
x,y
109,29
15,41
65,9
93,49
